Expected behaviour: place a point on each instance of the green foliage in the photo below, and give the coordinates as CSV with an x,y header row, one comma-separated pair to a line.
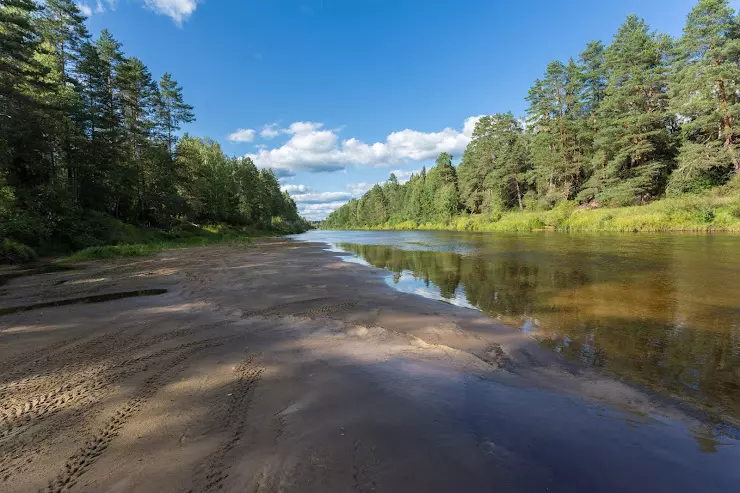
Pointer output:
x,y
634,148
12,252
704,91
641,119
89,151
141,242
558,121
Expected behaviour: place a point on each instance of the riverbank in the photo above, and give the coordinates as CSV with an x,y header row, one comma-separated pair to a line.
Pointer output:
x,y
275,365
684,214
126,240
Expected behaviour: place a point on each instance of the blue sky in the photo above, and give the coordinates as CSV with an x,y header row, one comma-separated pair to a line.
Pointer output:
x,y
336,94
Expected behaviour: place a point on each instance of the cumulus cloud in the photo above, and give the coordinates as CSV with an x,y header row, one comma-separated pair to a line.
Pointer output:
x,y
315,212
177,10
85,9
101,6
359,189
317,205
313,148
242,135
309,149
291,189
403,176
321,197
271,131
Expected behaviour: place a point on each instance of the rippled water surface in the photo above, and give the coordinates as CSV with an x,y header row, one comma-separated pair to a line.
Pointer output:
x,y
659,310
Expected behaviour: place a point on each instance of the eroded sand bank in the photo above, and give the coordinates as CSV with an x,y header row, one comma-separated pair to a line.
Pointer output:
x,y
278,367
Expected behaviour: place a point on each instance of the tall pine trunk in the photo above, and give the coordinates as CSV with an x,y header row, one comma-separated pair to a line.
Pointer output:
x,y
727,126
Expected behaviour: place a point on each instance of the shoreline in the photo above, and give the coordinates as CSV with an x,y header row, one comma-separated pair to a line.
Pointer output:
x,y
278,363
527,345
688,214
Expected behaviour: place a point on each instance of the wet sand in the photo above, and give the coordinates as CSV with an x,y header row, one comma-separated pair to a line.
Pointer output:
x,y
278,367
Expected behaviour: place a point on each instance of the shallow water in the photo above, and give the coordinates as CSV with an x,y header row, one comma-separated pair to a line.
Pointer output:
x,y
97,298
662,311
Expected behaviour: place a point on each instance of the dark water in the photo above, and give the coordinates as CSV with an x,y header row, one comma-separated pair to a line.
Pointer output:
x,y
97,298
662,311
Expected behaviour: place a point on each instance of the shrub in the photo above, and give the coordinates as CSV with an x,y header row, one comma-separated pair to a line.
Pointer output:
x,y
12,252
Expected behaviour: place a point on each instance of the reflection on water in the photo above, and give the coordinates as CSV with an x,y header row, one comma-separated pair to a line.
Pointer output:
x,y
407,282
660,310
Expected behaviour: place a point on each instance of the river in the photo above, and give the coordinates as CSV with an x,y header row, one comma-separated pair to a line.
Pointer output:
x,y
660,311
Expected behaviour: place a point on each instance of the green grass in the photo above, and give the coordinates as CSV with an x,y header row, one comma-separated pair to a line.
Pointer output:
x,y
685,213
181,237
13,252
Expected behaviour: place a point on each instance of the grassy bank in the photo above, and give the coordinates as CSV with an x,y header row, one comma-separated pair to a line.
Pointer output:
x,y
134,241
687,213
158,241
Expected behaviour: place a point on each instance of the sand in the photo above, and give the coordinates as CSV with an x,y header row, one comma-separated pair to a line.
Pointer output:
x,y
278,367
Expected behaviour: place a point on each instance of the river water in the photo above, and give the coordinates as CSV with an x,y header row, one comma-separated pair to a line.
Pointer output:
x,y
661,311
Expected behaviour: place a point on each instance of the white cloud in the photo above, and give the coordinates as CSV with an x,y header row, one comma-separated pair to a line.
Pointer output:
x,y
321,197
85,9
469,126
271,131
404,176
295,188
309,149
359,189
242,135
319,211
178,10
101,6
314,149
318,205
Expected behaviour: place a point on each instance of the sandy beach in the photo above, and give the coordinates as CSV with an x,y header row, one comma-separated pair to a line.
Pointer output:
x,y
277,367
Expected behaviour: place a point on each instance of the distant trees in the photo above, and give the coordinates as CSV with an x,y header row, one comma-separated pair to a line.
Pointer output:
x,y
86,133
622,124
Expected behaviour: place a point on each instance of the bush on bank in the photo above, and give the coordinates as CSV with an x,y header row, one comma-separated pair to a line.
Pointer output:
x,y
689,213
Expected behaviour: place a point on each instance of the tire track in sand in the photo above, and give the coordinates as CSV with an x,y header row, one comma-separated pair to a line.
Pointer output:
x,y
83,388
283,306
67,401
248,374
96,445
49,383
17,453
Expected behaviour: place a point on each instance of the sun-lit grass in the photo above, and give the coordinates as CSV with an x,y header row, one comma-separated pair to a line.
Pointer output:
x,y
190,236
686,213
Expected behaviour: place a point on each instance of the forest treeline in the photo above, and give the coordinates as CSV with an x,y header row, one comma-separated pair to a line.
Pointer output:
x,y
643,118
89,142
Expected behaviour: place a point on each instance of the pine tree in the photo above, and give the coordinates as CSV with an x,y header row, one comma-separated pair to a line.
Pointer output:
x,y
474,167
510,162
64,33
704,93
594,74
394,192
441,189
172,110
20,72
137,94
556,125
634,147
24,151
446,171
494,170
